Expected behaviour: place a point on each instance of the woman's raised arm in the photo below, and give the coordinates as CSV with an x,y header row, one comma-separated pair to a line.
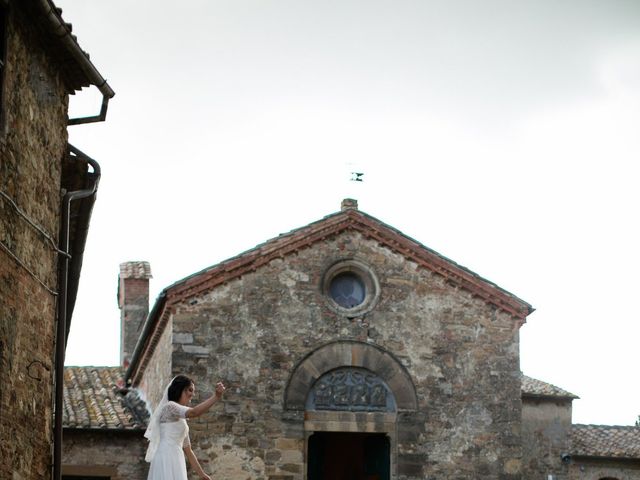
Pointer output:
x,y
203,407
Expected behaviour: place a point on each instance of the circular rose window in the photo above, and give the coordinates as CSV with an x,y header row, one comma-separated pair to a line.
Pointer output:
x,y
350,287
347,290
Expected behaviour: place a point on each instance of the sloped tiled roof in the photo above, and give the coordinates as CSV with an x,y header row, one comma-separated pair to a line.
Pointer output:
x,y
93,399
532,387
605,441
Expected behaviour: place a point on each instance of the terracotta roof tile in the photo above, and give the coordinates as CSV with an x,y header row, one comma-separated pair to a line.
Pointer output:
x,y
135,270
537,388
605,441
93,399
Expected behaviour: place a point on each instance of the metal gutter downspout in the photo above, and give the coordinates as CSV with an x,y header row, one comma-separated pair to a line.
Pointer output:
x,y
64,34
63,273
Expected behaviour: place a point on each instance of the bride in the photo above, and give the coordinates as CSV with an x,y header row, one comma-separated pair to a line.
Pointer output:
x,y
168,432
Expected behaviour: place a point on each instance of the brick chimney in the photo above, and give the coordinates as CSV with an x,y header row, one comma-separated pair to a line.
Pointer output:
x,y
133,301
349,204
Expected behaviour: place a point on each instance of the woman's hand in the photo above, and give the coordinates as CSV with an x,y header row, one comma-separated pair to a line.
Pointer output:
x,y
208,403
193,461
220,388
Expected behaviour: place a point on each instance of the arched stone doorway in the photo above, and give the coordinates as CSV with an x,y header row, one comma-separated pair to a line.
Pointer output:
x,y
350,393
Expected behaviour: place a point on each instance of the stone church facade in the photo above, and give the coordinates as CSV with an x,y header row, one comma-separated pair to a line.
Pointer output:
x,y
350,351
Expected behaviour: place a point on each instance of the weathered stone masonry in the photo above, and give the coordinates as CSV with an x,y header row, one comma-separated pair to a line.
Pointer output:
x,y
459,354
32,146
41,65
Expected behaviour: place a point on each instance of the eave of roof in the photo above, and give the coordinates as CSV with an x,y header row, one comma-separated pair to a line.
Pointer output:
x,y
76,177
76,68
304,237
537,389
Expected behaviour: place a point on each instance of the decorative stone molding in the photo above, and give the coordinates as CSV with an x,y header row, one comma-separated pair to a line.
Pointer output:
x,y
350,389
350,353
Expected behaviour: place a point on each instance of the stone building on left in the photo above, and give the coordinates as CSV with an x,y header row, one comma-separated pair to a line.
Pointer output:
x,y
47,192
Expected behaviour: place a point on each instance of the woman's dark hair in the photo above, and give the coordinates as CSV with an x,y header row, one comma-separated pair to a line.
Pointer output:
x,y
177,387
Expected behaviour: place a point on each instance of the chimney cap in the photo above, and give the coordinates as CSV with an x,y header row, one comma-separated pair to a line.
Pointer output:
x,y
136,269
349,204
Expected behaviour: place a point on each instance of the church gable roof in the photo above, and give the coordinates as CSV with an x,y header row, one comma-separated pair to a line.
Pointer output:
x,y
348,219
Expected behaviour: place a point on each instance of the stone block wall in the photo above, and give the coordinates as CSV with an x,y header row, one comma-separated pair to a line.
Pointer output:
x,y
461,354
546,429
158,373
33,141
117,455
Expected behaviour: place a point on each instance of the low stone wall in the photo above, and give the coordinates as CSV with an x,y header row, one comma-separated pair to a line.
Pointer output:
x,y
118,455
546,427
598,469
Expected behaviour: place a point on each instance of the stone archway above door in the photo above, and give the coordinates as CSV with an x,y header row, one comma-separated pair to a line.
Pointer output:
x,y
350,353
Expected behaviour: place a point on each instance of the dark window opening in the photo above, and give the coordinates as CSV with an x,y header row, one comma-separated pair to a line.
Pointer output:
x,y
348,456
347,290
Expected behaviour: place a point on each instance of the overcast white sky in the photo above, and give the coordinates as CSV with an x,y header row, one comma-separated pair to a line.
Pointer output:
x,y
502,134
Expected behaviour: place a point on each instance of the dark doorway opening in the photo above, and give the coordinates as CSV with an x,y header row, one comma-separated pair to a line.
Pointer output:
x,y
348,456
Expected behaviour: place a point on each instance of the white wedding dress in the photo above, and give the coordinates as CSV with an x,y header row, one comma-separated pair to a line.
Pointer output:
x,y
168,462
